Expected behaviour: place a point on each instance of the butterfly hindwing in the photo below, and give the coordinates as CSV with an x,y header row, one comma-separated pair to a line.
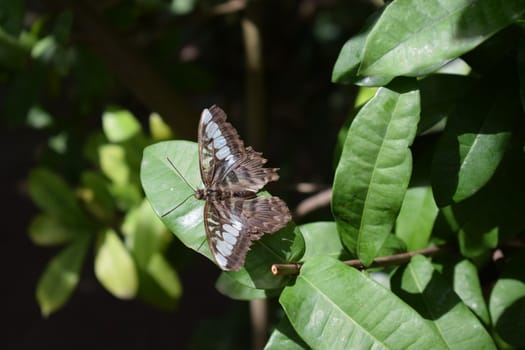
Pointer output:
x,y
232,225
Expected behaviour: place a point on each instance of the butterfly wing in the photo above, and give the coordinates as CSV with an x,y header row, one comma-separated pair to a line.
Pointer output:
x,y
232,225
220,146
224,161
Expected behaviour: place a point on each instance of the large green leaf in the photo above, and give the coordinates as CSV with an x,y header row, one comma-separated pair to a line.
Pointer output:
x,y
468,287
416,217
333,306
114,266
423,288
435,32
61,277
374,170
474,142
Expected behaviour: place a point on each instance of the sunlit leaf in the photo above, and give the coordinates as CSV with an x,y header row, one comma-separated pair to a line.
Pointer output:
x,y
333,306
374,170
114,266
119,125
468,287
434,33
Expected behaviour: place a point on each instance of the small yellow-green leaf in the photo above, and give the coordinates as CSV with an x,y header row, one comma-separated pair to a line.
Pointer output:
x,y
114,266
113,163
158,128
119,125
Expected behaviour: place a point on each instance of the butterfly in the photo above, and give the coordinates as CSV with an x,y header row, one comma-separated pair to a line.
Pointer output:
x,y
234,217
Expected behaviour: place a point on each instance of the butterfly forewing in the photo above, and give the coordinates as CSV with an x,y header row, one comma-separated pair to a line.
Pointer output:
x,y
232,175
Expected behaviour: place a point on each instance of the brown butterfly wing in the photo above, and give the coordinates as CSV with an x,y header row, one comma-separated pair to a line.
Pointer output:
x,y
232,225
224,161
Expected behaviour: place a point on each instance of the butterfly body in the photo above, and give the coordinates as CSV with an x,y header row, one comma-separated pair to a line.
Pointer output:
x,y
234,216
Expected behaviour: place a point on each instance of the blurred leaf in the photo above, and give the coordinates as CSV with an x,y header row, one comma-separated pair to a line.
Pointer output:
x,y
12,15
113,163
182,7
416,218
97,197
119,125
158,128
114,267
38,118
454,27
51,194
468,287
472,146
420,286
374,170
145,233
61,277
320,309
285,337
159,283
47,230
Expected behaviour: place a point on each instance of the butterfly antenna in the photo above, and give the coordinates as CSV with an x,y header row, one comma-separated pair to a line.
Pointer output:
x,y
173,209
200,246
181,176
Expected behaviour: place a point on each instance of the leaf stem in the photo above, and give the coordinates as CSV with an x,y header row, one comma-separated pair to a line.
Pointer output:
x,y
396,259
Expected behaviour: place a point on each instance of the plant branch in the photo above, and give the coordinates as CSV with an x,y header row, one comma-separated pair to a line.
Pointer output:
x,y
314,202
390,260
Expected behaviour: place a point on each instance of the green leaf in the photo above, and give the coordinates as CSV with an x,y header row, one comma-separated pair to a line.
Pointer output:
x,y
113,163
46,230
349,59
166,190
51,194
114,266
374,170
119,125
97,197
472,146
416,217
467,286
159,283
230,287
333,306
158,128
433,33
61,277
321,238
420,286
507,302
145,234
285,337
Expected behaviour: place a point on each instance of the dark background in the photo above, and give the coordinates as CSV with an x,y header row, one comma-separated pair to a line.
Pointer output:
x,y
304,112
